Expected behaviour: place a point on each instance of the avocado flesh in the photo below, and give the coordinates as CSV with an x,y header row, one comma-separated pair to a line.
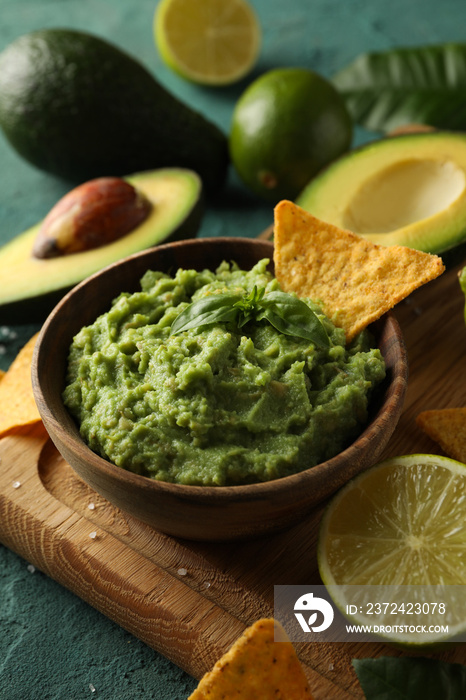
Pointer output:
x,y
30,287
77,106
406,190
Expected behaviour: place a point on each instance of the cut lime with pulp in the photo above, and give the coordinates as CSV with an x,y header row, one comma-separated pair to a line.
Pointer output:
x,y
212,42
398,530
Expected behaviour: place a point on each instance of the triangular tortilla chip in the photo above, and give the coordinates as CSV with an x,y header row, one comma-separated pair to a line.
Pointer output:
x,y
256,667
17,405
447,427
354,280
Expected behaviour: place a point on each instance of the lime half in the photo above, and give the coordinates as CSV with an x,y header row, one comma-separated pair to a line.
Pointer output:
x,y
396,535
213,42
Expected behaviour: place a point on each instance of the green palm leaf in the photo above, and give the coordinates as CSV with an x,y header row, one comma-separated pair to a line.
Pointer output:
x,y
424,85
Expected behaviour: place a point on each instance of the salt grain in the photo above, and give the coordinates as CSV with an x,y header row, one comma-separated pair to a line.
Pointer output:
x,y
182,572
91,506
7,332
206,584
93,535
331,667
31,568
16,484
91,688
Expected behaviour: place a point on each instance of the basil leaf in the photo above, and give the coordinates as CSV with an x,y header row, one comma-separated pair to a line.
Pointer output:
x,y
391,678
216,308
292,316
424,85
315,333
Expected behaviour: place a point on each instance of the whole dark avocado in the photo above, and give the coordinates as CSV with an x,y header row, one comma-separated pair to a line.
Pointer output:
x,y
77,106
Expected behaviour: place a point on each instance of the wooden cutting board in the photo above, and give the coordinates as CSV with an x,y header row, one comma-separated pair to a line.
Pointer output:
x,y
190,601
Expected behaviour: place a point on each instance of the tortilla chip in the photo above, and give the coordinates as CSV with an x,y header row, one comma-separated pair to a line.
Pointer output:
x,y
447,427
17,405
354,280
256,667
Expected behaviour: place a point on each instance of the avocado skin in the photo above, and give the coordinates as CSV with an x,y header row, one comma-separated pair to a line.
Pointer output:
x,y
77,106
36,309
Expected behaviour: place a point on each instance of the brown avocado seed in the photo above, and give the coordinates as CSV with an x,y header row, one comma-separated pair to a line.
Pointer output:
x,y
93,214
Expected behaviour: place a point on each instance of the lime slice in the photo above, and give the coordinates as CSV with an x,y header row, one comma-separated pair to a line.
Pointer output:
x,y
398,530
212,42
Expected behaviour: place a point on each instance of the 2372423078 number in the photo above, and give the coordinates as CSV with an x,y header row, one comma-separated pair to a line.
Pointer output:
x,y
410,608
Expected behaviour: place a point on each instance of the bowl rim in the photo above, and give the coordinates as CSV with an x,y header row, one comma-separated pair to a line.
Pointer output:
x,y
395,392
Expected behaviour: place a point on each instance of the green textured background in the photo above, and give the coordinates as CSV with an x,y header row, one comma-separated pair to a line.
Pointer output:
x,y
52,645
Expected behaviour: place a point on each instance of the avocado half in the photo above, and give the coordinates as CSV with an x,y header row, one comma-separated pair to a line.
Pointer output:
x,y
30,287
405,190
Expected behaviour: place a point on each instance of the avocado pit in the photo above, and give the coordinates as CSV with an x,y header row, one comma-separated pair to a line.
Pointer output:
x,y
91,215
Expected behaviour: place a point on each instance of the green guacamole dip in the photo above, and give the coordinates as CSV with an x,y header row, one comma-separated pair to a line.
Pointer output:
x,y
214,405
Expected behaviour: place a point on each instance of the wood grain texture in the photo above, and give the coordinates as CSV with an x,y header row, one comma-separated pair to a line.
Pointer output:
x,y
188,600
203,513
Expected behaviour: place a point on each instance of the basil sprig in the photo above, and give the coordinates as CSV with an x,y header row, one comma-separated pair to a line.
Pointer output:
x,y
283,311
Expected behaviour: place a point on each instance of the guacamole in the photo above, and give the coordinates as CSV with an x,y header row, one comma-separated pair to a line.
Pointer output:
x,y
217,404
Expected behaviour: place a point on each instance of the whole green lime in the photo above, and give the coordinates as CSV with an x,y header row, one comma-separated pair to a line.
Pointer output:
x,y
287,125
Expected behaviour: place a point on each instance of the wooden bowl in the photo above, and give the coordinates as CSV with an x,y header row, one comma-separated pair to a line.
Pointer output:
x,y
198,512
